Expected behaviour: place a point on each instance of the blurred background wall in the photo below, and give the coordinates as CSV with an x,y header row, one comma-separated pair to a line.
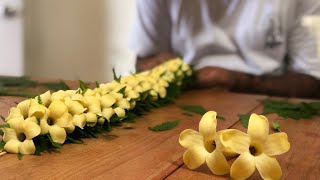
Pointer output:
x,y
78,39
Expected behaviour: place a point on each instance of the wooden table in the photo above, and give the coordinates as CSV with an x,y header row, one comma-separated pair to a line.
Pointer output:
x,y
131,151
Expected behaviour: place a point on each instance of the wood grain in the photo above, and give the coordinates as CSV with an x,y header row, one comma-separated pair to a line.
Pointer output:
x,y
130,151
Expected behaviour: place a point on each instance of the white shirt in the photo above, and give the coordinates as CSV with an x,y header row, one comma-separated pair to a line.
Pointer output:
x,y
251,36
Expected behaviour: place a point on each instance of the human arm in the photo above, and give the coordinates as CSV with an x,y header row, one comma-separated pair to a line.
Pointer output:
x,y
290,84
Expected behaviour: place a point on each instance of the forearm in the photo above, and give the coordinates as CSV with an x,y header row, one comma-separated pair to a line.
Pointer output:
x,y
147,63
290,84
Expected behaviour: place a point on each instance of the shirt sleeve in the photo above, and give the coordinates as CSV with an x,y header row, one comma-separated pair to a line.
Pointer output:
x,y
302,43
150,33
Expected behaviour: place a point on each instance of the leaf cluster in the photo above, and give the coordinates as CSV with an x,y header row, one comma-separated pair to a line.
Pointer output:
x,y
165,126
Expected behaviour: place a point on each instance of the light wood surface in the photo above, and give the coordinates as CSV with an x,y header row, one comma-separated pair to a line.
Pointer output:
x,y
131,151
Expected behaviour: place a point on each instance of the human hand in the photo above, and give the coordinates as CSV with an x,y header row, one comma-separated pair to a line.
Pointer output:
x,y
214,77
148,63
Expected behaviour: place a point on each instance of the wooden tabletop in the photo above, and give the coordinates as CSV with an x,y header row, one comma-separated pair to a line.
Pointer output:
x,y
131,151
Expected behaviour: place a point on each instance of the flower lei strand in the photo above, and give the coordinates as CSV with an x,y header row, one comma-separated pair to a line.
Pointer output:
x,y
52,119
256,148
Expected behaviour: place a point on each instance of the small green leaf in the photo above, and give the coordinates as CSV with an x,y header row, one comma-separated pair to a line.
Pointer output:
x,y
1,132
187,114
5,125
39,100
244,119
54,144
97,85
276,126
118,79
194,109
19,156
165,126
122,90
3,118
83,87
2,143
221,117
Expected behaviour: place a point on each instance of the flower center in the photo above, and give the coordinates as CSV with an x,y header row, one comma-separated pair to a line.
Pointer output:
x,y
210,146
254,151
50,121
21,137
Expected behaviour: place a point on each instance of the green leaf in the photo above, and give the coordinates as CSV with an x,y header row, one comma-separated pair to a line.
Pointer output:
x,y
19,156
244,119
83,87
1,132
56,85
39,100
122,90
194,109
97,85
221,117
276,126
187,114
3,118
2,143
165,126
5,125
118,79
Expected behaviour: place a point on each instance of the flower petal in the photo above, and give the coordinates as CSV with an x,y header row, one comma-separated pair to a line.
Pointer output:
x,y
91,119
107,113
31,129
189,138
243,166
12,146
95,107
74,107
235,140
37,110
46,98
195,157
24,107
27,147
44,124
64,120
13,113
57,109
9,134
123,103
258,128
276,144
107,100
58,134
207,125
268,167
16,124
217,163
79,120
121,113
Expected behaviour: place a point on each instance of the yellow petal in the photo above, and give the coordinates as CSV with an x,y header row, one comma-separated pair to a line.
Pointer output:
x,y
107,113
120,112
57,134
276,144
243,166
12,146
91,119
95,107
59,95
9,134
13,113
37,110
74,107
268,167
235,140
64,120
27,147
162,92
101,120
70,127
57,109
207,125
46,98
31,129
217,163
44,124
16,124
258,128
195,157
124,104
79,120
24,107
107,100
189,138
78,97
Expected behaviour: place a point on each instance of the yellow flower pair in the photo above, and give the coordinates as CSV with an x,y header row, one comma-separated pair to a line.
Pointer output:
x,y
256,148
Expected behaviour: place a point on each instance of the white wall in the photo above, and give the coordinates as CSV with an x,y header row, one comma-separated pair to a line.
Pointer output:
x,y
78,39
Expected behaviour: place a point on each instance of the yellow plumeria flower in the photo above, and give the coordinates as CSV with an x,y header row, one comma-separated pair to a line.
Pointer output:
x,y
256,149
204,146
19,136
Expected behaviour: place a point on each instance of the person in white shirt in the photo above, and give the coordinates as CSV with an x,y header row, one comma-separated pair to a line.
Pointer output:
x,y
244,45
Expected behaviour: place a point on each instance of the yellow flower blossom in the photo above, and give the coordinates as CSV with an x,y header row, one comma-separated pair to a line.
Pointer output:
x,y
18,137
256,149
204,146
